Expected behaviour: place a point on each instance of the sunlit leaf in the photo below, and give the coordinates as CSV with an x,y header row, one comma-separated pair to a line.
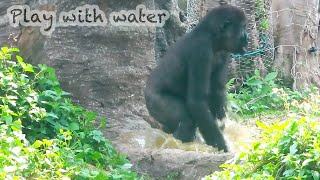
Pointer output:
x,y
254,82
74,126
271,76
293,148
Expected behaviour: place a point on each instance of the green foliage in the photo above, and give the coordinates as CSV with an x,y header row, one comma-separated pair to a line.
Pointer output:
x,y
287,150
263,95
262,16
256,96
45,136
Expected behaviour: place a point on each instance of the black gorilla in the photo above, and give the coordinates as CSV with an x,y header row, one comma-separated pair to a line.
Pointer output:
x,y
186,89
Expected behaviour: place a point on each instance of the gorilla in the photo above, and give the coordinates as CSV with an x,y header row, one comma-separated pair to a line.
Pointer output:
x,y
186,88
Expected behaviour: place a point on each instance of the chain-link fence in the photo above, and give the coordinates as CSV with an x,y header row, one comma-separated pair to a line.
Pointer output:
x,y
260,49
260,53
277,35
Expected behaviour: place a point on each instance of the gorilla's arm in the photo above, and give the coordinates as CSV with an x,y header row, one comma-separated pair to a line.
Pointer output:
x,y
199,73
217,102
218,80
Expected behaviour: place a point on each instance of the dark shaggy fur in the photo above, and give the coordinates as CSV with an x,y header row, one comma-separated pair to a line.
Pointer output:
x,y
186,89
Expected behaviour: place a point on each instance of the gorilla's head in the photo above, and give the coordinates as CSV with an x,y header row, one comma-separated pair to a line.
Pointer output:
x,y
235,37
228,25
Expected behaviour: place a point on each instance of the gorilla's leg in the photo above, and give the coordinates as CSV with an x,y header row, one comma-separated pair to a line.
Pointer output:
x,y
186,130
172,113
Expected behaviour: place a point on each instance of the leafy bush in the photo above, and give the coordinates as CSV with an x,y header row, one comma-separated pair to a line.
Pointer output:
x,y
287,150
256,95
45,136
264,95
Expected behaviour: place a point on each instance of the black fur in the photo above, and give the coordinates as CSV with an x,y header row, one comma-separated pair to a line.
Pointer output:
x,y
186,89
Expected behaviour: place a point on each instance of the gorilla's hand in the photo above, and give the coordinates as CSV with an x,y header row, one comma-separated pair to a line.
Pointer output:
x,y
221,114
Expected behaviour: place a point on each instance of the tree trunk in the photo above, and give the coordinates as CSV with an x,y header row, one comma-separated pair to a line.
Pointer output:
x,y
295,41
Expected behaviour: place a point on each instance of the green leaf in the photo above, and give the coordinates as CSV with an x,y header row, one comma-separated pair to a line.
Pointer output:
x,y
90,115
103,122
271,76
315,175
257,72
254,82
8,119
126,166
294,127
285,140
28,68
306,162
261,125
21,63
256,145
42,67
19,58
4,50
37,144
74,126
116,176
50,93
293,148
288,172
16,125
85,173
13,50
265,90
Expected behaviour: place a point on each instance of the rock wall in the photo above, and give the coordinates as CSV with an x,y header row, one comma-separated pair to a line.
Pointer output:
x,y
105,68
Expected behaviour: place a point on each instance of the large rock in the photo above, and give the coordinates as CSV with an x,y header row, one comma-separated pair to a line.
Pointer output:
x,y
174,163
8,34
103,67
173,28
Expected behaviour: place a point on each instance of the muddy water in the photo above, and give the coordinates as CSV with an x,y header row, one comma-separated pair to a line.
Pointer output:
x,y
235,134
